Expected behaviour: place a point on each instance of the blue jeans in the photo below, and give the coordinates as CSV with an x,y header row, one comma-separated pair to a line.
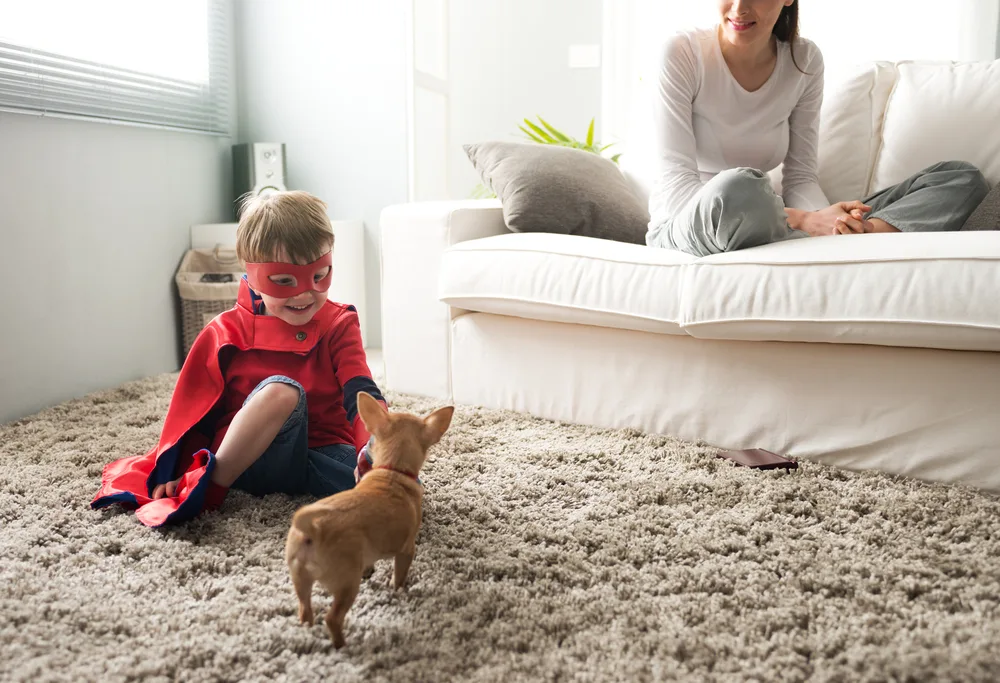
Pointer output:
x,y
290,466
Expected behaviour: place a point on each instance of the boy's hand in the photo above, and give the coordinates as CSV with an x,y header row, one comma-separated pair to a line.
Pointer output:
x,y
166,490
364,461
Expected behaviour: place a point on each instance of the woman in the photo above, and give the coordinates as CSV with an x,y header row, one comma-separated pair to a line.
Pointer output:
x,y
737,100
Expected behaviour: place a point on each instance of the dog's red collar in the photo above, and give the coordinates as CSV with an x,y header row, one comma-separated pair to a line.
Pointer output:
x,y
393,469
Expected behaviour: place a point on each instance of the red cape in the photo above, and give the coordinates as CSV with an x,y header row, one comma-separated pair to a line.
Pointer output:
x,y
188,428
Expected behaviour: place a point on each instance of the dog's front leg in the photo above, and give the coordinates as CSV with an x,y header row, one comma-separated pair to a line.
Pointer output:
x,y
401,566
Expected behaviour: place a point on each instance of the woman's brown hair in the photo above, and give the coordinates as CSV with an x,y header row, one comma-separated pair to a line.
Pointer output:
x,y
786,29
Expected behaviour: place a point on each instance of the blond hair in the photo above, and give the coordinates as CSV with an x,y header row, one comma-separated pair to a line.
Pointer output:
x,y
294,222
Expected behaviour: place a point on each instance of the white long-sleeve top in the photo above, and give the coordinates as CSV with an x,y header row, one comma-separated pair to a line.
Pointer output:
x,y
706,122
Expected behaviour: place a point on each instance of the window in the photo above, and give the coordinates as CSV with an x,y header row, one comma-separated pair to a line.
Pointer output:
x,y
152,62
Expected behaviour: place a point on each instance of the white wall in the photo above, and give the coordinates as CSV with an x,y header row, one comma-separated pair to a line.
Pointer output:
x,y
509,61
94,220
962,30
328,78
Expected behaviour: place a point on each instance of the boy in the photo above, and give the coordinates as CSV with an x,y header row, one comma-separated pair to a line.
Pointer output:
x,y
267,399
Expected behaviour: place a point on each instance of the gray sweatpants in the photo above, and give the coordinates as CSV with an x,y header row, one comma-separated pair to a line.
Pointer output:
x,y
738,209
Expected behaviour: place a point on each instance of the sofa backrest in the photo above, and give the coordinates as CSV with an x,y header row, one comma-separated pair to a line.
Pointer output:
x,y
850,130
886,121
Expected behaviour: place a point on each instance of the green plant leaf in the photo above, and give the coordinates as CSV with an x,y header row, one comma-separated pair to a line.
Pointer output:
x,y
551,135
548,138
480,191
531,135
559,134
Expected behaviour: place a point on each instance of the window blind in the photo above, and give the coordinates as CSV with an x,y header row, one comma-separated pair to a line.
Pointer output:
x,y
132,84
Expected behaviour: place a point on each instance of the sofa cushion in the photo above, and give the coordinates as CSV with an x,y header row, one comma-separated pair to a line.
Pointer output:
x,y
548,188
562,278
935,290
940,112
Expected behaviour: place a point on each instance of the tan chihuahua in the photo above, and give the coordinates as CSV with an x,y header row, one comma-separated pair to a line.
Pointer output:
x,y
337,539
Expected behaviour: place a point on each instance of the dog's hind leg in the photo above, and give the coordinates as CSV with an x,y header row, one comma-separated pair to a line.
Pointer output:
x,y
343,598
298,554
303,591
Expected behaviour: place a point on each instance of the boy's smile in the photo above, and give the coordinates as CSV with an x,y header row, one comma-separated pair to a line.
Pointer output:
x,y
298,313
297,310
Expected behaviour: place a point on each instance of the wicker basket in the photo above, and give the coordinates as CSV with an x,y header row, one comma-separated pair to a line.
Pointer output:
x,y
203,282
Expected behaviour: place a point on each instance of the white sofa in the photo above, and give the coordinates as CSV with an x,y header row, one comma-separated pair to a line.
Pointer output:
x,y
863,351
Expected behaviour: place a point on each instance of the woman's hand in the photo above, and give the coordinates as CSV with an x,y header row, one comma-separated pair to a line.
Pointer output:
x,y
854,223
842,218
167,489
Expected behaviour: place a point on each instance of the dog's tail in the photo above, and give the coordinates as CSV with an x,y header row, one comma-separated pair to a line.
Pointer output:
x,y
308,521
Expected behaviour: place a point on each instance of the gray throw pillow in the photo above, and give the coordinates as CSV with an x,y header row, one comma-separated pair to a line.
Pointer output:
x,y
548,188
987,214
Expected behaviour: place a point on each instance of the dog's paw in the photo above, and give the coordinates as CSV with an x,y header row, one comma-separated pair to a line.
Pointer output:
x,y
305,616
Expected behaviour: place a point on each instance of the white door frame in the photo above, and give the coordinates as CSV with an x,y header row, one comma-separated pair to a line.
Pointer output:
x,y
420,80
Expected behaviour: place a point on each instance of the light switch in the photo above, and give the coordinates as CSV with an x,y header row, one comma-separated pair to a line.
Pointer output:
x,y
584,56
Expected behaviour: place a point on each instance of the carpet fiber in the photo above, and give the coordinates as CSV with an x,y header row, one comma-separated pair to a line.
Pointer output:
x,y
548,552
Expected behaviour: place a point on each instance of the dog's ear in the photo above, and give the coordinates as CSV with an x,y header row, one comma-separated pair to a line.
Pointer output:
x,y
437,423
372,413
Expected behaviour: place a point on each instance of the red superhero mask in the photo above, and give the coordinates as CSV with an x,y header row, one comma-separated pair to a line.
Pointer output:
x,y
259,276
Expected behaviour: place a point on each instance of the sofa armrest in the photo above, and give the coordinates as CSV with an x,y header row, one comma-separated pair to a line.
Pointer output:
x,y
416,325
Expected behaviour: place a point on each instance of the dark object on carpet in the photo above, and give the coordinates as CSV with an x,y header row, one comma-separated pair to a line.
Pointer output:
x,y
759,459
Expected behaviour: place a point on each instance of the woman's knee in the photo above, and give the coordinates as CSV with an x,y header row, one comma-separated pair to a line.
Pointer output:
x,y
741,184
751,213
749,190
953,165
966,175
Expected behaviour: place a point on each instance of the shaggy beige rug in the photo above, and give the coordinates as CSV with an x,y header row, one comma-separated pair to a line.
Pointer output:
x,y
549,552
